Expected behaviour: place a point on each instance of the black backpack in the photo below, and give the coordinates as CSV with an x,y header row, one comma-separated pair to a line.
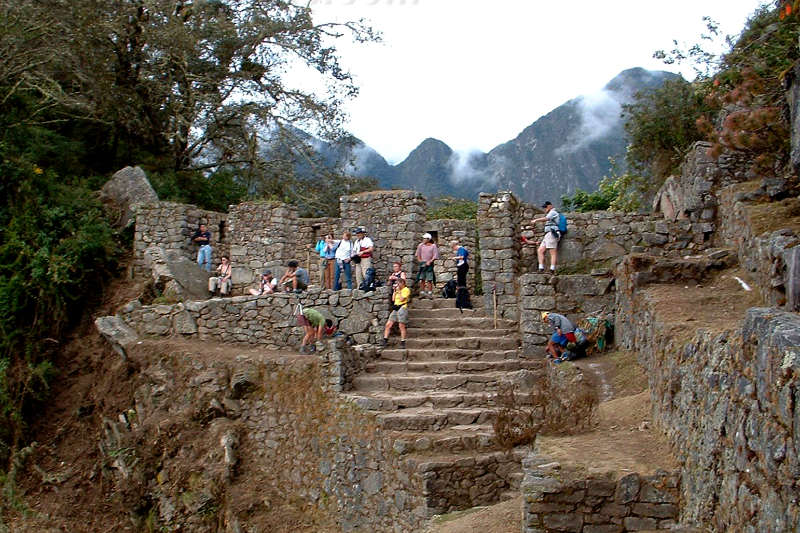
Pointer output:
x,y
368,285
449,289
462,299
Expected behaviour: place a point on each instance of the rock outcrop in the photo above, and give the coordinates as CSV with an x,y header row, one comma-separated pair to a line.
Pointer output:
x,y
126,188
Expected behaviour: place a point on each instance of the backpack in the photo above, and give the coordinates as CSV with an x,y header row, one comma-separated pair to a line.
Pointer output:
x,y
368,285
462,299
562,224
449,290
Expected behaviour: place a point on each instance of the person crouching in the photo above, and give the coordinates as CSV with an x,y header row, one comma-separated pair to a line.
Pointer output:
x,y
399,313
563,333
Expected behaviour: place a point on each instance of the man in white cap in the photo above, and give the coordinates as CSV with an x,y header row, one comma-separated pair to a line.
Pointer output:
x,y
427,253
362,248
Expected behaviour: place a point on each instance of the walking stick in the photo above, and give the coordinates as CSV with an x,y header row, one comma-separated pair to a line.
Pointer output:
x,y
494,300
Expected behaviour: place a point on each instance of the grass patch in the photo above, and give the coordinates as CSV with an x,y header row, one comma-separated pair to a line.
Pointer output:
x,y
771,216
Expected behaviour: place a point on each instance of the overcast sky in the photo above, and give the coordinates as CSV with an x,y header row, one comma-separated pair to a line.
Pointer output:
x,y
474,73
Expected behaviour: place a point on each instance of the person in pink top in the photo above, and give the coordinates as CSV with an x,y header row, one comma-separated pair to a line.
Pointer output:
x,y
427,253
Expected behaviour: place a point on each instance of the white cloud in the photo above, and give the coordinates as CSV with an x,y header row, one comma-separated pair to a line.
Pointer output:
x,y
599,113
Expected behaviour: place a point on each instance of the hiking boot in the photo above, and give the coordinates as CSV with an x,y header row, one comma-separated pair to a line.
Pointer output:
x,y
312,348
384,342
403,345
303,349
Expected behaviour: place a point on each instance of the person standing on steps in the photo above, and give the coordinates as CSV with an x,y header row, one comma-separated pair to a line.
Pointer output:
x,y
427,253
362,254
344,253
551,237
203,237
563,333
462,267
399,313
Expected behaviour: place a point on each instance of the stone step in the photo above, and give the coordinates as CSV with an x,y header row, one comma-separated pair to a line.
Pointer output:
x,y
442,303
419,333
427,419
415,313
450,367
390,402
442,354
464,343
484,382
464,323
458,439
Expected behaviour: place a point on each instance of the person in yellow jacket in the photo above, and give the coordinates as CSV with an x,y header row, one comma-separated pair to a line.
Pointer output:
x,y
399,313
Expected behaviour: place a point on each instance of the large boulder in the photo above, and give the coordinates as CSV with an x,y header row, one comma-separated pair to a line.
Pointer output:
x,y
175,275
124,190
117,333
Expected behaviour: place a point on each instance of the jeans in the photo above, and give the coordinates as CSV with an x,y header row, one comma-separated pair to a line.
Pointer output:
x,y
348,273
204,257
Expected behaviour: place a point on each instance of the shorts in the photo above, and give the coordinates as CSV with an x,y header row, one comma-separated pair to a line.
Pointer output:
x,y
401,315
426,273
550,241
563,339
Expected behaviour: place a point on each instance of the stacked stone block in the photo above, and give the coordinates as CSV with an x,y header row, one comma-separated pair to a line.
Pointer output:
x,y
575,297
262,235
556,500
170,226
602,237
264,320
394,220
498,232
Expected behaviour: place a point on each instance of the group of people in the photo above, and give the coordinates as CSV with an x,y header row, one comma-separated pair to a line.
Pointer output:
x,y
344,256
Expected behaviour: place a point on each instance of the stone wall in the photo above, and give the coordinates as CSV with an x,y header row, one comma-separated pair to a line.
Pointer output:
x,y
447,230
257,439
498,233
394,220
264,320
729,401
556,500
600,238
575,297
772,258
261,235
170,226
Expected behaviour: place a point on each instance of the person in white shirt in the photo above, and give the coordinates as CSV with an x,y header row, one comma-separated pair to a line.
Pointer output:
x,y
362,248
344,251
551,236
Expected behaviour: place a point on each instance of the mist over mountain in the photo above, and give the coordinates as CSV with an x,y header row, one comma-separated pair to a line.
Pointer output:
x,y
565,150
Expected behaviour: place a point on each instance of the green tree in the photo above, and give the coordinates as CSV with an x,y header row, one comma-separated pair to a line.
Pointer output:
x,y
449,207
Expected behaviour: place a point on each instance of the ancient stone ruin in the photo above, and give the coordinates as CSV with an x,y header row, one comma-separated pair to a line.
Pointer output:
x,y
382,439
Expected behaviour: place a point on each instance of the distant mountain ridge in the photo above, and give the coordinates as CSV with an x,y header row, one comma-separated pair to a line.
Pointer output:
x,y
565,150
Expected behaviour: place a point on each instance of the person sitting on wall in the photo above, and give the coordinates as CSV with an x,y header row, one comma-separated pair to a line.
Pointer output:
x,y
295,279
203,237
222,281
551,237
363,250
427,252
267,285
399,313
563,333
313,323
344,251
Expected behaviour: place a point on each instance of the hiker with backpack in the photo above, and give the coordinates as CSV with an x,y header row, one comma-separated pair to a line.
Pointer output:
x,y
555,225
427,252
563,333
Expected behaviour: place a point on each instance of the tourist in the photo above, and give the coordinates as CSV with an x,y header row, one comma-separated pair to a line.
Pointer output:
x,y
203,237
267,285
327,253
362,254
222,281
344,251
314,325
399,314
295,279
551,236
427,253
462,266
563,333
396,274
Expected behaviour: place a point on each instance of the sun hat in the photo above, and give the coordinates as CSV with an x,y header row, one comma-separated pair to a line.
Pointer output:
x,y
428,236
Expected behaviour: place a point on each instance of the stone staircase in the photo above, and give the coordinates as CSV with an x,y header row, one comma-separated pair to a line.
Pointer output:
x,y
437,399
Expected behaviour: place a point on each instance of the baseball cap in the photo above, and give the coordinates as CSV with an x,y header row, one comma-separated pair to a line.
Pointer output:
x,y
547,204
267,273
545,314
428,236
